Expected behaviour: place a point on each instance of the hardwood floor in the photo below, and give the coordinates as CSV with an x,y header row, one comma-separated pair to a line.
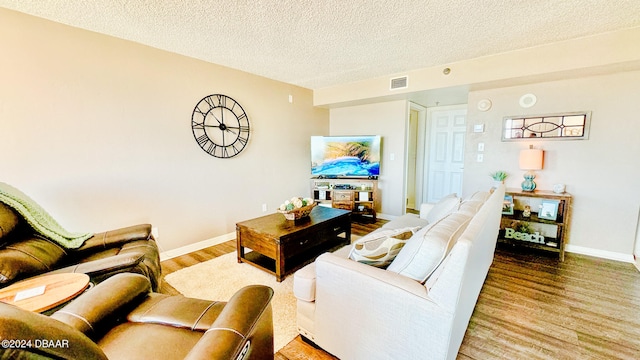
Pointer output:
x,y
531,307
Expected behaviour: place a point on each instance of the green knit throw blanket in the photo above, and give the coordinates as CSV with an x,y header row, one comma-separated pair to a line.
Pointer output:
x,y
39,219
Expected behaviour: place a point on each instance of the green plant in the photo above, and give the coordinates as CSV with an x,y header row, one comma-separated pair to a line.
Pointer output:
x,y
499,175
523,227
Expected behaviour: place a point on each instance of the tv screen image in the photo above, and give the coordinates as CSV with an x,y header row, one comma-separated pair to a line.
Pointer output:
x,y
345,156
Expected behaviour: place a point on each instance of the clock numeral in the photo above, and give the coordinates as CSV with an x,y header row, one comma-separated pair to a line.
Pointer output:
x,y
209,100
244,128
222,100
242,116
225,151
211,149
243,140
202,139
197,109
197,125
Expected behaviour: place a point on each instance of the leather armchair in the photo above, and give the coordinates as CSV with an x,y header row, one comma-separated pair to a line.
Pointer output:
x,y
121,319
24,254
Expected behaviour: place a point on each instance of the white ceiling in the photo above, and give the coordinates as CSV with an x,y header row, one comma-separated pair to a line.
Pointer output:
x,y
316,44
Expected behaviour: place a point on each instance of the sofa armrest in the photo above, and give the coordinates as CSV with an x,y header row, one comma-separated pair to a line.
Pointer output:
x,y
96,310
353,297
117,237
31,330
243,330
105,265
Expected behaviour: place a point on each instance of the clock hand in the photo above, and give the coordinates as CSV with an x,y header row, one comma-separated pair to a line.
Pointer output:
x,y
214,116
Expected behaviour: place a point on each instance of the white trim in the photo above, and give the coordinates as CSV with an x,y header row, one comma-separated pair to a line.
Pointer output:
x,y
170,254
604,254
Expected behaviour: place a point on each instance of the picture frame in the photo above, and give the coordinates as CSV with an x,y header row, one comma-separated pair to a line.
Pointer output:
x,y
507,205
549,209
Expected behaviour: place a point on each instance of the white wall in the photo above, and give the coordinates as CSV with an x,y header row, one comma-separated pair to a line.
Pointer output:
x,y
601,172
389,120
97,130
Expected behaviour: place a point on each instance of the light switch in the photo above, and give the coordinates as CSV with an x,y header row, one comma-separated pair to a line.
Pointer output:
x,y
480,158
480,146
478,128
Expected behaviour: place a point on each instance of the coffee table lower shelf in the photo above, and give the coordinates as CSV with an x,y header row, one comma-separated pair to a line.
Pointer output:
x,y
293,263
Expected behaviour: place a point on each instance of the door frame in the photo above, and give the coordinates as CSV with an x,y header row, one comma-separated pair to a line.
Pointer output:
x,y
420,153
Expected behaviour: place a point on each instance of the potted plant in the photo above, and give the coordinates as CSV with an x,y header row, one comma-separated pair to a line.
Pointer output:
x,y
499,176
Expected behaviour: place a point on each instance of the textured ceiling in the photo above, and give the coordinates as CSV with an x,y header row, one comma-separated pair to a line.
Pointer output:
x,y
316,44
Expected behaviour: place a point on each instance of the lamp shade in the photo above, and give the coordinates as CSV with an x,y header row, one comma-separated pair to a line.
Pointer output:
x,y
531,159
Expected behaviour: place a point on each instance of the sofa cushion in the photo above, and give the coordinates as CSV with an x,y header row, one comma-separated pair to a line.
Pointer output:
x,y
442,208
405,221
28,257
8,220
428,247
470,207
380,247
479,196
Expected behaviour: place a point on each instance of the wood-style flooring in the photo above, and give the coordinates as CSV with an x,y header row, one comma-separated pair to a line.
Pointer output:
x,y
531,307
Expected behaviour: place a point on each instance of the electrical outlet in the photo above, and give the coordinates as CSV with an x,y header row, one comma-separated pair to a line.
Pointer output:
x,y
480,158
480,146
264,207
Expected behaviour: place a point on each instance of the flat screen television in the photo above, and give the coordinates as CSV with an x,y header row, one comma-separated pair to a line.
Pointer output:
x,y
345,156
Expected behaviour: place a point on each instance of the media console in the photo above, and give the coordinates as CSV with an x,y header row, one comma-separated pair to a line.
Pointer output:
x,y
358,195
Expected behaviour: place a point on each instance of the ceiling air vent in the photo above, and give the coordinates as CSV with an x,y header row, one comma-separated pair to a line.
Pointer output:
x,y
399,83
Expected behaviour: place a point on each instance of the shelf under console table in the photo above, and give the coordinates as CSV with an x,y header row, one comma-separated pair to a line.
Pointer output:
x,y
537,219
358,195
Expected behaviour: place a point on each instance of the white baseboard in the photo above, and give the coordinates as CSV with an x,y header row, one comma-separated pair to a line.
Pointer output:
x,y
166,255
610,255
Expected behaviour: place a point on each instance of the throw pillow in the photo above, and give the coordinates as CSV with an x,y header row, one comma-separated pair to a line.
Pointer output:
x,y
380,247
428,247
443,207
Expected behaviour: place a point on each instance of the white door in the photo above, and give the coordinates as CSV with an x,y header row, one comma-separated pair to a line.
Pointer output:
x,y
447,130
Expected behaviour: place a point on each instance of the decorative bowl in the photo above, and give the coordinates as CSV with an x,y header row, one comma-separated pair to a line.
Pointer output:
x,y
298,213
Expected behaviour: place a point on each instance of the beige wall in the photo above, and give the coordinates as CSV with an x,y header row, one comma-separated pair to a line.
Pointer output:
x,y
387,119
97,130
601,173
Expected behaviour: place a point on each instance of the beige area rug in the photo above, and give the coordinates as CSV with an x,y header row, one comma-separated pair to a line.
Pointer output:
x,y
220,278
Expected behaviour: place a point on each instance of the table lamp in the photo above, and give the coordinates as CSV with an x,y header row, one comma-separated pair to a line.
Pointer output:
x,y
530,159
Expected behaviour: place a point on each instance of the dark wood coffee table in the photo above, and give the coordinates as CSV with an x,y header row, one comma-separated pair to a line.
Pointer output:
x,y
282,246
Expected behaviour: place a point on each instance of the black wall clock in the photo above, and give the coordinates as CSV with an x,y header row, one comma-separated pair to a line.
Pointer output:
x,y
220,126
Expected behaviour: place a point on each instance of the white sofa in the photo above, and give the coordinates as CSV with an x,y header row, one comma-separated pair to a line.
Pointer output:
x,y
356,311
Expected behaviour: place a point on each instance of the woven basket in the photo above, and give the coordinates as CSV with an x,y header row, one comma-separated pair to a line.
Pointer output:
x,y
298,213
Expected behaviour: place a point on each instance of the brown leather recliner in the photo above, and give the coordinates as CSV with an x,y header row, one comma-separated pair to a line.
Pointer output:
x,y
121,319
24,254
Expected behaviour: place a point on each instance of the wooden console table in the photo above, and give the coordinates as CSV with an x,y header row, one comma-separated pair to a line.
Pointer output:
x,y
536,231
44,292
